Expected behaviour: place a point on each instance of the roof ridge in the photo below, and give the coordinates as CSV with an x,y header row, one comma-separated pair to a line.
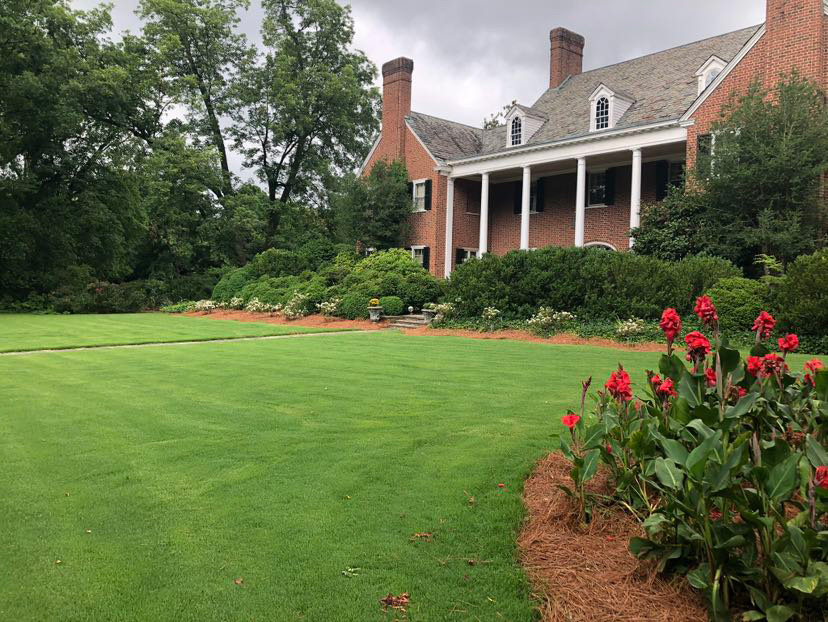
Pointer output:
x,y
471,127
675,47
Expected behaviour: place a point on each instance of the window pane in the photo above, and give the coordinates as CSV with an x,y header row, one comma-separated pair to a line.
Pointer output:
x,y
517,125
602,114
597,188
419,196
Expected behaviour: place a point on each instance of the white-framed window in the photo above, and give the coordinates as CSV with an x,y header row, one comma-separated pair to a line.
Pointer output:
x,y
602,113
419,195
597,189
517,132
533,198
418,254
464,254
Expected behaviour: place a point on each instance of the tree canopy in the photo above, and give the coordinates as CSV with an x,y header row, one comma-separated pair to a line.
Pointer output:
x,y
116,153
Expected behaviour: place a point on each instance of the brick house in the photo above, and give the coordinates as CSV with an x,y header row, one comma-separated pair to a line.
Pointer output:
x,y
575,166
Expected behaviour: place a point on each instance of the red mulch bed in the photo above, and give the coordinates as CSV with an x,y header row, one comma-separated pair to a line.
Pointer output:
x,y
583,574
313,321
563,339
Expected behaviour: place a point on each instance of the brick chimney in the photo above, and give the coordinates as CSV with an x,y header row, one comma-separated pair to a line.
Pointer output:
x,y
566,56
795,33
396,103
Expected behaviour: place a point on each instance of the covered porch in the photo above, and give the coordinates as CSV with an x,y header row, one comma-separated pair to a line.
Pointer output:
x,y
585,196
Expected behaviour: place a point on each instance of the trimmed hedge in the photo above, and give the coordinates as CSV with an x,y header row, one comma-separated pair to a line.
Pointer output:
x,y
738,302
588,282
801,297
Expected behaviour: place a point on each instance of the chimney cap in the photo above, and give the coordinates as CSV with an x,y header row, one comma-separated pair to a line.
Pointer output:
x,y
564,35
398,65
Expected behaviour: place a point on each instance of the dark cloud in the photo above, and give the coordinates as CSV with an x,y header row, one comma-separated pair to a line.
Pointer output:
x,y
473,56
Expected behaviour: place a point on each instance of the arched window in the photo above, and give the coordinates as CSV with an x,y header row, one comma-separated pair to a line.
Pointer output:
x,y
711,75
517,131
602,119
604,246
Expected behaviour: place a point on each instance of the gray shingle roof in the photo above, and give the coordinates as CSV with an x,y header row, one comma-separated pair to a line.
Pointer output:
x,y
663,86
446,140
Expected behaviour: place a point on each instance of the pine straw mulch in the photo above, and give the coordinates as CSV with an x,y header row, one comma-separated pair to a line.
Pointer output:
x,y
587,574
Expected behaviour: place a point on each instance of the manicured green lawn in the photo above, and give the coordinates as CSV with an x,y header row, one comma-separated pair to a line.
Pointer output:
x,y
19,332
283,463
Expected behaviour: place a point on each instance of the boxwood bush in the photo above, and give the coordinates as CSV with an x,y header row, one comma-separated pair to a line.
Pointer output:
x,y
589,282
801,296
738,302
391,305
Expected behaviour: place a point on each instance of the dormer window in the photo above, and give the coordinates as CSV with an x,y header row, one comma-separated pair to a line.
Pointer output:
x,y
517,131
602,114
606,107
521,124
708,72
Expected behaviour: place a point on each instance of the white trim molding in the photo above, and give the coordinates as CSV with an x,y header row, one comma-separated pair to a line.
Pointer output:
x,y
723,74
586,146
599,244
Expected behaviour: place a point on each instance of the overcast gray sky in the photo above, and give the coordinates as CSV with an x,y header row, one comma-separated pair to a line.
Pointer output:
x,y
473,56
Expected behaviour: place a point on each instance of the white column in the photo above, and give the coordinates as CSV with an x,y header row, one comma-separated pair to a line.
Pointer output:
x,y
525,203
449,250
580,203
483,244
635,192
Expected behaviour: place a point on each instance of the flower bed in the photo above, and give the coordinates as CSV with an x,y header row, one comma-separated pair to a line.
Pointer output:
x,y
724,463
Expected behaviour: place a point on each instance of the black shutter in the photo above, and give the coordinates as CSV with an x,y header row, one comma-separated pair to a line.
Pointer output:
x,y
540,194
662,179
518,196
426,258
411,190
428,194
609,192
459,256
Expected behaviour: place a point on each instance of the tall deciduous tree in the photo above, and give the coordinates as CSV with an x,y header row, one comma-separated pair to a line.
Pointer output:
x,y
307,107
198,42
374,210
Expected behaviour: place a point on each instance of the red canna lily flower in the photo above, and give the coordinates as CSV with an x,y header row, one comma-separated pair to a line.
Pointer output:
x,y
710,376
754,365
821,477
671,324
570,421
667,389
697,345
619,385
788,343
812,367
706,311
763,325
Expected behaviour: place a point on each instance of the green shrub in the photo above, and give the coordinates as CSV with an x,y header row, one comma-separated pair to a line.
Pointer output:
x,y
232,283
589,282
738,302
391,305
354,305
802,295
277,262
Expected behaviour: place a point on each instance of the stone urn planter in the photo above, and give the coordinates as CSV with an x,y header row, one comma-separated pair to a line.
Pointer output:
x,y
375,310
429,314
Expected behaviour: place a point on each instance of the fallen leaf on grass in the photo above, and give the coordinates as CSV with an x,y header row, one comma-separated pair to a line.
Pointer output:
x,y
238,581
422,537
88,531
351,572
396,602
57,561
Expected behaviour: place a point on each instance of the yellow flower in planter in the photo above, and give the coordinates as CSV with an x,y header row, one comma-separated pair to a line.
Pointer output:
x,y
374,302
